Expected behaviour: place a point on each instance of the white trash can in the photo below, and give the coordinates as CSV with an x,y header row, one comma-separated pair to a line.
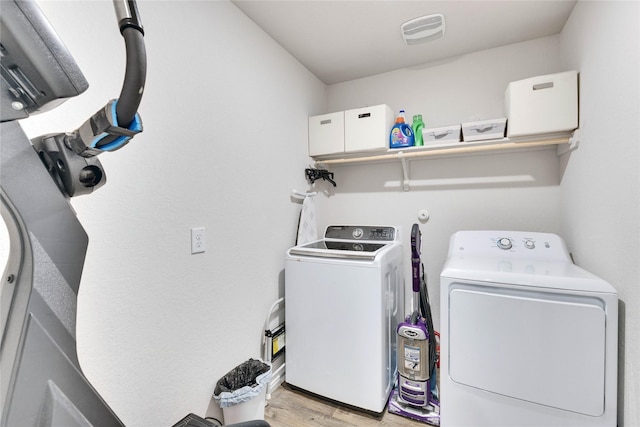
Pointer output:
x,y
246,411
241,392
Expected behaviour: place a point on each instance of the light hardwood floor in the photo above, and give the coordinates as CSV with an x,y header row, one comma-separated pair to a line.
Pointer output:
x,y
289,407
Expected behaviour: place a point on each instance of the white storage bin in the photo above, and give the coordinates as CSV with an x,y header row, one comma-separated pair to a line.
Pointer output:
x,y
486,129
542,104
367,129
441,134
326,134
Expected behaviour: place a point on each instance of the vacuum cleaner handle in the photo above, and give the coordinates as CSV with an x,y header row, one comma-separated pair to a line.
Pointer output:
x,y
415,257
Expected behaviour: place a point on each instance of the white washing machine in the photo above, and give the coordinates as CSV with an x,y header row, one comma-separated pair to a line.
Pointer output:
x,y
344,297
527,337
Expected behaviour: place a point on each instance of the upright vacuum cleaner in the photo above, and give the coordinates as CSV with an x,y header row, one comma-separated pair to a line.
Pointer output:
x,y
416,394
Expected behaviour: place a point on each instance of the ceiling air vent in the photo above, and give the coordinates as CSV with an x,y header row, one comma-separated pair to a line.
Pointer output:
x,y
423,29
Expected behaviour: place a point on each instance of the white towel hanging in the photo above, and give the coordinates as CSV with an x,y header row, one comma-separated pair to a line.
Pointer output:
x,y
307,226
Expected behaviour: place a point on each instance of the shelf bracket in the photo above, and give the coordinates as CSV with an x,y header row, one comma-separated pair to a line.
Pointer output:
x,y
405,172
574,142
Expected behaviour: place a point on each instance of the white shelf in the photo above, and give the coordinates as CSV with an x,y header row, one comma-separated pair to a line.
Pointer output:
x,y
452,148
567,140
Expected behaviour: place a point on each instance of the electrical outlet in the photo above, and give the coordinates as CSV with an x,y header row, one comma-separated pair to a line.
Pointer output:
x,y
198,241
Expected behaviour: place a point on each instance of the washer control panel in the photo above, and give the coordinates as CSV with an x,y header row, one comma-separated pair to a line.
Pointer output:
x,y
361,232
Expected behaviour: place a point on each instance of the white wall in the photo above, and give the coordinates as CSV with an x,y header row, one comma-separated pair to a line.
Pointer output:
x,y
225,113
600,189
225,105
512,191
590,197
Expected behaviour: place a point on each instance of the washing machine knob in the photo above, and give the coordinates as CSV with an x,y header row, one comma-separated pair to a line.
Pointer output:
x,y
529,244
504,243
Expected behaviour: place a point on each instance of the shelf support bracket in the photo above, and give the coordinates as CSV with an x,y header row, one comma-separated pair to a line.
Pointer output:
x,y
405,172
574,142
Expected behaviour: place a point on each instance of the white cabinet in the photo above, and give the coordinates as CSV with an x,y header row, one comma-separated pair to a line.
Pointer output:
x,y
358,130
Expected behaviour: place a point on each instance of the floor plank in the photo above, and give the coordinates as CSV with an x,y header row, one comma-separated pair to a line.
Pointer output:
x,y
290,407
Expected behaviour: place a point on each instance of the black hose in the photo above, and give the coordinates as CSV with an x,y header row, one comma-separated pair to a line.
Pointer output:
x,y
425,308
134,78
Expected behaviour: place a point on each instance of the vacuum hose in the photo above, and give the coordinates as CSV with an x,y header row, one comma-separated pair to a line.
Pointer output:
x,y
136,71
425,308
135,75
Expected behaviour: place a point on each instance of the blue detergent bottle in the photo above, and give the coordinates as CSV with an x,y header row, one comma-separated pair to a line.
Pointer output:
x,y
401,133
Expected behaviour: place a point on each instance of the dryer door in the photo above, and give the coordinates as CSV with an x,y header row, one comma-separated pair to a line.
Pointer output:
x,y
540,347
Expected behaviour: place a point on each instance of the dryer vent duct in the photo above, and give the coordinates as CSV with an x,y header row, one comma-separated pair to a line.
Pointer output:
x,y
423,29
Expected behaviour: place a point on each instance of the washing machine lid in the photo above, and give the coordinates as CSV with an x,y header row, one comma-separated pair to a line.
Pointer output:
x,y
350,242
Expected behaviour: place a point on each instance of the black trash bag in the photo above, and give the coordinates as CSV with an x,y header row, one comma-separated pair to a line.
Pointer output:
x,y
242,383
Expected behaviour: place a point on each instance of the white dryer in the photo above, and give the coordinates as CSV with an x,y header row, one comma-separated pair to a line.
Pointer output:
x,y
344,298
527,337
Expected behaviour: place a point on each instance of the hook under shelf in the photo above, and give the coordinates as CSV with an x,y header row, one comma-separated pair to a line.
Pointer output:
x,y
300,195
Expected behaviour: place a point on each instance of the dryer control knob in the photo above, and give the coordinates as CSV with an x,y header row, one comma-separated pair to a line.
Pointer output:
x,y
504,243
529,244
